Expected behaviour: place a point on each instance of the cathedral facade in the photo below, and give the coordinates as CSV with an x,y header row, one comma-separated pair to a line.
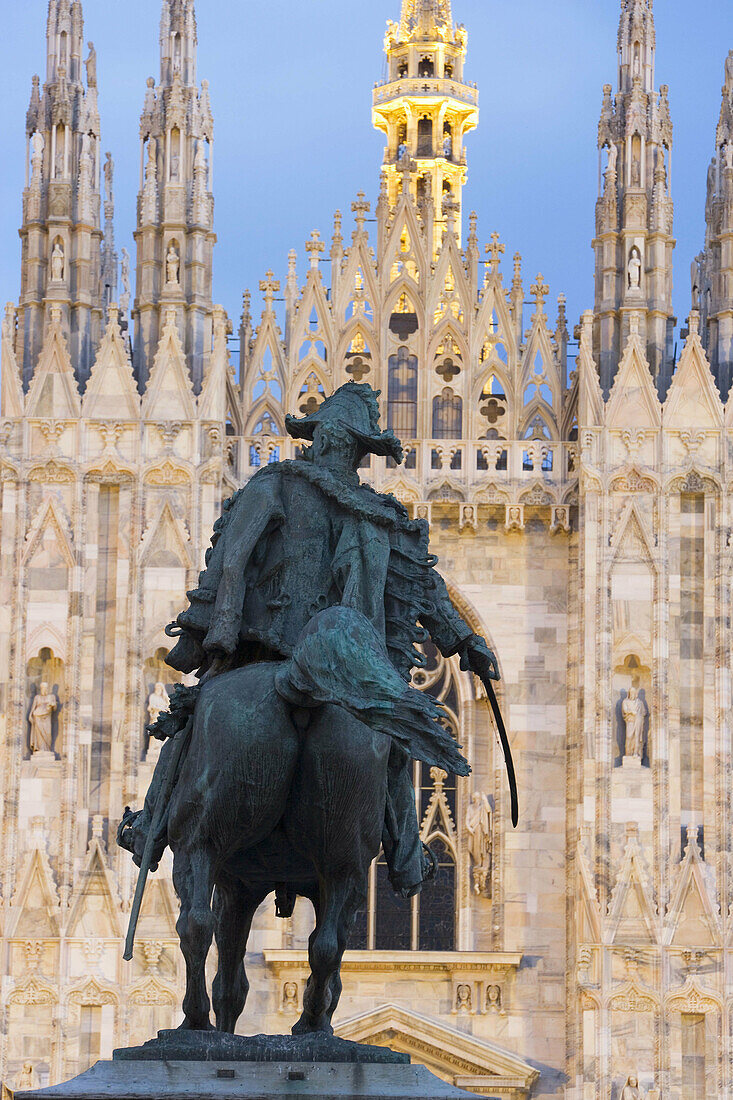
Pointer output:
x,y
582,516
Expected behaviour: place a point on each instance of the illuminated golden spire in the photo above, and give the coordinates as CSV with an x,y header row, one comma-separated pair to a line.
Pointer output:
x,y
425,108
424,17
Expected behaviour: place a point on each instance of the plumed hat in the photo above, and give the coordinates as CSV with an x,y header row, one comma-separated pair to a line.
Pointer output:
x,y
355,407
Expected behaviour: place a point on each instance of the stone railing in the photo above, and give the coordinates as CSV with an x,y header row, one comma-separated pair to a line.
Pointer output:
x,y
428,86
466,464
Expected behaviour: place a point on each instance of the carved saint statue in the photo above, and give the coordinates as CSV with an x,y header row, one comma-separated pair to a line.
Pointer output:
x,y
91,65
41,717
157,701
729,70
26,1079
57,262
695,280
37,144
447,146
612,161
125,277
634,269
631,1090
633,713
478,827
172,264
109,169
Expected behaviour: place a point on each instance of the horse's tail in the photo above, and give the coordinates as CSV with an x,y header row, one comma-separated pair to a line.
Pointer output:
x,y
339,658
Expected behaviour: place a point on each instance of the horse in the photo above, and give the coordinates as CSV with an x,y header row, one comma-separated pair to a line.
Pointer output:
x,y
271,793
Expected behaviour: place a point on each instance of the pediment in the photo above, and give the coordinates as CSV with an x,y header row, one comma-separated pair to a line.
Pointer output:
x,y
454,1056
111,391
693,400
633,401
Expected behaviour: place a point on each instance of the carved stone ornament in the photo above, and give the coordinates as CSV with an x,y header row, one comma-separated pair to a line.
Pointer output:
x,y
514,520
560,519
633,482
467,517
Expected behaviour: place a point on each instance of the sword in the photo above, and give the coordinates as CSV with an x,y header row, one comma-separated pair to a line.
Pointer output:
x,y
494,703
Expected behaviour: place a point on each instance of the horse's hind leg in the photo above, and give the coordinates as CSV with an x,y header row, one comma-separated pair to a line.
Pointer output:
x,y
334,916
234,908
192,879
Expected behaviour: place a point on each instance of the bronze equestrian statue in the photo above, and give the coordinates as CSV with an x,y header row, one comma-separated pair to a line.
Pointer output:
x,y
288,765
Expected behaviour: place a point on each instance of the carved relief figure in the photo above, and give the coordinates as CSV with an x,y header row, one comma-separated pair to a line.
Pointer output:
x,y
478,830
463,998
290,997
172,264
57,263
41,720
634,269
493,999
633,713
26,1079
631,1090
157,701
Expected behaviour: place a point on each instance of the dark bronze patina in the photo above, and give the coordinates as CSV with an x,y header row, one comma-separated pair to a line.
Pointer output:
x,y
287,767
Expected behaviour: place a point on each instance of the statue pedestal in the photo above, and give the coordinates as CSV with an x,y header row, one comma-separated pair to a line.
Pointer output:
x,y
213,1066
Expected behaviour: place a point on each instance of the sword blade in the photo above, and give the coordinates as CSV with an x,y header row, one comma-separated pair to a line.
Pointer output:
x,y
494,703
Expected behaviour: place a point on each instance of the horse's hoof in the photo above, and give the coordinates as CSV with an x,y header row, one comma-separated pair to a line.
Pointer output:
x,y
306,1027
194,1025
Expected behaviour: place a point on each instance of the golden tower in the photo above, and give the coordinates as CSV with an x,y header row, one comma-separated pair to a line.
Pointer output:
x,y
425,108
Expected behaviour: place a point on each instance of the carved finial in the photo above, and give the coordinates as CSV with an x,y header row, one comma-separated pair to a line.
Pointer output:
x,y
338,240
113,313
634,323
451,209
55,315
586,330
360,208
540,290
246,303
405,168
693,322
314,247
517,279
270,286
495,251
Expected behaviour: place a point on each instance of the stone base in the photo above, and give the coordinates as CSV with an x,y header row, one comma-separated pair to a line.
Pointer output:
x,y
211,1080
178,1045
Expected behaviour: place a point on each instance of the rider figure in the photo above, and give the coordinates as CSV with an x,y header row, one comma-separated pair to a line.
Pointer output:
x,y
303,536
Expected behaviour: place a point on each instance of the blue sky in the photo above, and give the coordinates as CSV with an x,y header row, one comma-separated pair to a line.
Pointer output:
x,y
291,91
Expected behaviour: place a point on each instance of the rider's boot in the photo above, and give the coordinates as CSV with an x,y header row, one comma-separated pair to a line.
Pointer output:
x,y
410,863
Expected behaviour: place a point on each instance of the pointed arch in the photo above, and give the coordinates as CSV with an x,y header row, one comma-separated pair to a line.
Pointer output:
x,y
111,391
169,392
166,528
49,516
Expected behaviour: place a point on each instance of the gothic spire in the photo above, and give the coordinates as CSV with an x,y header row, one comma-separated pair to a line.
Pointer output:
x,y
61,232
425,108
634,242
174,233
712,270
423,18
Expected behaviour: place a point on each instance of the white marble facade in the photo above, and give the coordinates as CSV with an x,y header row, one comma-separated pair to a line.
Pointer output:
x,y
581,514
